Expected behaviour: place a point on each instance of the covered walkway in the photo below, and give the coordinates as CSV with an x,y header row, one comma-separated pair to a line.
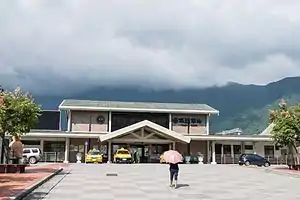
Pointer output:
x,y
144,132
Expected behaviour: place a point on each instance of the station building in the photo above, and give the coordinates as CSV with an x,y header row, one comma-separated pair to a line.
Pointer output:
x,y
147,127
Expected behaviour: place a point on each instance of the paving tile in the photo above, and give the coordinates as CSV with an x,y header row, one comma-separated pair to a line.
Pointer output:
x,y
12,184
147,182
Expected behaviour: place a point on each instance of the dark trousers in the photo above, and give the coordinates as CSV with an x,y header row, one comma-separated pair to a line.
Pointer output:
x,y
174,174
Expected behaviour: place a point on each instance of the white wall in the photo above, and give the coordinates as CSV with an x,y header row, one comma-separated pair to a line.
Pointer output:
x,y
258,147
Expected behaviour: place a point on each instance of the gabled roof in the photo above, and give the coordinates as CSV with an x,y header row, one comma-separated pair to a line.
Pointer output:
x,y
142,124
235,131
268,130
136,106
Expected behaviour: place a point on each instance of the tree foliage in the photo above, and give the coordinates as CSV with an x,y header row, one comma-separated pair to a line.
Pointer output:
x,y
286,129
18,112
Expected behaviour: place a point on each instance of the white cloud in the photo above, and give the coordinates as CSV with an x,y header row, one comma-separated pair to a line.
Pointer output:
x,y
61,45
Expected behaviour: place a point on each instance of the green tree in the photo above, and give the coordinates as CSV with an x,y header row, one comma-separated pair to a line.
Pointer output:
x,y
286,129
18,114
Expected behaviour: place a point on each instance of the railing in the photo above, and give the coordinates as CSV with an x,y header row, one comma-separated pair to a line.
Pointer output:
x,y
274,160
53,157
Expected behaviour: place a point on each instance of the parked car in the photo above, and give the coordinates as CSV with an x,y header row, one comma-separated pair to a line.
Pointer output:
x,y
93,156
162,159
253,159
154,158
122,156
32,155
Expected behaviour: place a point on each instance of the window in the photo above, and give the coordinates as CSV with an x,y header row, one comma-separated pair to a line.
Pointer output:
x,y
248,147
48,120
269,150
35,150
94,153
26,151
123,152
195,121
227,149
31,142
257,157
237,149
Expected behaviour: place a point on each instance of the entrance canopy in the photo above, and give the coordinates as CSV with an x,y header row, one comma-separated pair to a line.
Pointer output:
x,y
143,131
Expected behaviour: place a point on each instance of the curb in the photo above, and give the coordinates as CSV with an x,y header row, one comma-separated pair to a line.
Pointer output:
x,y
291,174
31,188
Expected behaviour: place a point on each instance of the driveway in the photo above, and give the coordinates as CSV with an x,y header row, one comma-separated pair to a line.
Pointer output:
x,y
150,181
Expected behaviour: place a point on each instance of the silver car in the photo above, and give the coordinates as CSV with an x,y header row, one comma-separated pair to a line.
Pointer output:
x,y
32,155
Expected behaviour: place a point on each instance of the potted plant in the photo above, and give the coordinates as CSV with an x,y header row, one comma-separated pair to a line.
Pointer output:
x,y
193,159
79,157
200,158
187,159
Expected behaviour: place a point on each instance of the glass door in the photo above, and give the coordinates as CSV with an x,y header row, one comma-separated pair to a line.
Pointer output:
x,y
140,153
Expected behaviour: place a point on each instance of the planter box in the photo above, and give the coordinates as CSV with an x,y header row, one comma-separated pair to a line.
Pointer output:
x,y
21,168
11,169
3,169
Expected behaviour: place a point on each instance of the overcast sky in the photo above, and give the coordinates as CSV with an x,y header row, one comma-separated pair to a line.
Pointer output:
x,y
65,44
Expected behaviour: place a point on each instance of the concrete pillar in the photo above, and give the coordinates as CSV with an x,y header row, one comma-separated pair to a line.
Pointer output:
x,y
232,153
60,121
109,121
170,121
207,124
213,149
208,152
254,147
174,145
170,146
242,148
109,152
222,154
42,146
150,149
67,149
69,128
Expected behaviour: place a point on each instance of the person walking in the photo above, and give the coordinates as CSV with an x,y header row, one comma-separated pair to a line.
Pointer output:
x,y
16,149
174,170
173,158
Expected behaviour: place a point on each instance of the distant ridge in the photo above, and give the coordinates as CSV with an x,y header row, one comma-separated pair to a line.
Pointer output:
x,y
240,106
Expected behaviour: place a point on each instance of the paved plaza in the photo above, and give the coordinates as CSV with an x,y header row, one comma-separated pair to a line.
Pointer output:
x,y
150,181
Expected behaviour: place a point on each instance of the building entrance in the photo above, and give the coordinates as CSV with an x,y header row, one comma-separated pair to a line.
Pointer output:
x,y
140,153
143,153
149,153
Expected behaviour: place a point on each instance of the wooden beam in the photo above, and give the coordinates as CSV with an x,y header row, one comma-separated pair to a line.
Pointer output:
x,y
143,132
150,135
135,135
153,141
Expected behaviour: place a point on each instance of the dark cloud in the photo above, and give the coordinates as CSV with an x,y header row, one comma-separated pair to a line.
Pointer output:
x,y
56,46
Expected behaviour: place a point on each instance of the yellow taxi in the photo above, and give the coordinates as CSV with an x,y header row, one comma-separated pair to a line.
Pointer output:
x,y
93,156
161,159
122,156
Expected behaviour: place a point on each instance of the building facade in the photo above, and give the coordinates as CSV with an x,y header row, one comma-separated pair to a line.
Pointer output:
x,y
149,128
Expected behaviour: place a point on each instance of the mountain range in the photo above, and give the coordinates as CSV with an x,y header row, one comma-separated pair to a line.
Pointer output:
x,y
240,106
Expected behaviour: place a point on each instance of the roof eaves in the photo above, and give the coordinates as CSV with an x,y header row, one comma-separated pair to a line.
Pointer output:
x,y
139,109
